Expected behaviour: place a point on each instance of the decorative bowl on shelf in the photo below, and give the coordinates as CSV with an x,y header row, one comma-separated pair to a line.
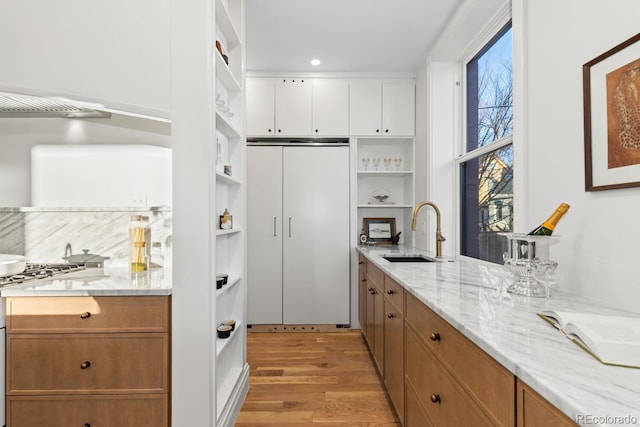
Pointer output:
x,y
381,194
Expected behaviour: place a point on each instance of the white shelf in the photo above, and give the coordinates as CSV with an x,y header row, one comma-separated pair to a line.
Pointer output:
x,y
222,177
226,127
231,282
224,74
225,23
384,206
222,343
384,173
227,232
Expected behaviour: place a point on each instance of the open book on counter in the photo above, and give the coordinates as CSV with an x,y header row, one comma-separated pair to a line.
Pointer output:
x,y
613,340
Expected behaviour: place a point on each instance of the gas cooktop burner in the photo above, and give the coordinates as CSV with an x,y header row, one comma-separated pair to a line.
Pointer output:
x,y
40,271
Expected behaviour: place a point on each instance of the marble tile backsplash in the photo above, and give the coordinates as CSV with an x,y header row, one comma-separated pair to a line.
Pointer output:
x,y
50,234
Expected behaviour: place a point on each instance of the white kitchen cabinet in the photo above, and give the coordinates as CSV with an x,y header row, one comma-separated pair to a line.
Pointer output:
x,y
115,53
385,167
297,107
382,109
298,220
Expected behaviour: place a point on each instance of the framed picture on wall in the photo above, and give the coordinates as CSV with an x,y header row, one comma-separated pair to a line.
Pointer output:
x,y
611,86
379,230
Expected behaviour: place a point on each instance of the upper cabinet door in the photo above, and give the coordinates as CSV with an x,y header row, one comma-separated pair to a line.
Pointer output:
x,y
330,108
365,108
398,109
115,53
293,107
261,99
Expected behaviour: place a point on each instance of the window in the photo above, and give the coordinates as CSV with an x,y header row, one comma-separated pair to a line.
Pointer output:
x,y
486,167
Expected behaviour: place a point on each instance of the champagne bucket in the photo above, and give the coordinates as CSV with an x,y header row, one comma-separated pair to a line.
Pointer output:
x,y
523,246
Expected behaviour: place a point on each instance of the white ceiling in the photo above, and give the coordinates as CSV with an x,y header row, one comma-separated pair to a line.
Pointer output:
x,y
346,35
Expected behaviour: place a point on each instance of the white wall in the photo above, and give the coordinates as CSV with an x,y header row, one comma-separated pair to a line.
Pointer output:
x,y
19,136
552,40
598,254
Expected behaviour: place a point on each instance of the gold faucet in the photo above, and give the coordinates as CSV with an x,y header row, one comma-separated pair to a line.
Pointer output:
x,y
439,237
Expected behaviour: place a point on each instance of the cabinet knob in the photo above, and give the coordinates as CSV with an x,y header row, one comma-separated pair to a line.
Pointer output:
x,y
364,279
435,398
316,130
372,291
390,316
279,130
85,315
85,365
390,292
86,425
435,336
386,131
377,130
269,130
360,262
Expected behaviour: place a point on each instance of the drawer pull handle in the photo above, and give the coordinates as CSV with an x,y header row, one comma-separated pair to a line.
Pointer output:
x,y
361,262
85,365
364,280
85,315
390,292
87,425
435,398
372,291
390,316
435,336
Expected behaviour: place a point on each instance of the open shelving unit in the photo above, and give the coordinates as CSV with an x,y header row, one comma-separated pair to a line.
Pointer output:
x,y
394,178
231,369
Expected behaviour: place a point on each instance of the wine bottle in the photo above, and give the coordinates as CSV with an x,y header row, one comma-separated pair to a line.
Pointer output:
x,y
547,227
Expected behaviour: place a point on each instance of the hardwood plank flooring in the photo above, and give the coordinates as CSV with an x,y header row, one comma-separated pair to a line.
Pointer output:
x,y
318,379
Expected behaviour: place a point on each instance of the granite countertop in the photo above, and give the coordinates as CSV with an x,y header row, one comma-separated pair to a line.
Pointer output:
x,y
115,281
470,296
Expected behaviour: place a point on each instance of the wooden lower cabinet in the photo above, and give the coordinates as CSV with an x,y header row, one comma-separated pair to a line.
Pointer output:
x,y
373,327
88,361
535,411
393,344
88,411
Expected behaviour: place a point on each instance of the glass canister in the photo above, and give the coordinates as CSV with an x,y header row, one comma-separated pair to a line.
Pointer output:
x,y
139,243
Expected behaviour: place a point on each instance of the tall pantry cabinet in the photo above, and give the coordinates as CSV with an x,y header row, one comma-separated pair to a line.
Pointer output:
x,y
210,374
298,235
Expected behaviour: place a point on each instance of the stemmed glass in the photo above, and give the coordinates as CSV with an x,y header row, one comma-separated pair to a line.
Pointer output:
x,y
398,162
545,273
376,162
365,162
387,162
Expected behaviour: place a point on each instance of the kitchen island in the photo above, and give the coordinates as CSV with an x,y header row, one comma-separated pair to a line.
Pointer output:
x,y
471,297
90,347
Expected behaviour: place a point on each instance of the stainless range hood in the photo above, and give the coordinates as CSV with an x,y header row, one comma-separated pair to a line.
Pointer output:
x,y
24,106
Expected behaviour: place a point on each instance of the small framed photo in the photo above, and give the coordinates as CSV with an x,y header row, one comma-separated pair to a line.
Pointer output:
x,y
379,230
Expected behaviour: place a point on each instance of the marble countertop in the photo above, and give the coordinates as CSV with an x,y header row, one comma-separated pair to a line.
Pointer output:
x,y
96,282
471,296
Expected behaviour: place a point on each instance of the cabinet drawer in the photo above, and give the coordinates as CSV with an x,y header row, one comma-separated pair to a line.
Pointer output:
x,y
445,403
394,293
375,275
362,263
104,411
88,314
490,383
87,363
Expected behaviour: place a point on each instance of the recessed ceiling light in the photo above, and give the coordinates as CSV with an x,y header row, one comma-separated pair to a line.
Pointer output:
x,y
315,62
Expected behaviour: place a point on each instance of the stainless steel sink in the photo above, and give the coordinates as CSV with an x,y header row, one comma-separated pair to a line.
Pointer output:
x,y
408,258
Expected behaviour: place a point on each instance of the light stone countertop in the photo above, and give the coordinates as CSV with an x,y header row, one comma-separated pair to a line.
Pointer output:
x,y
96,282
470,296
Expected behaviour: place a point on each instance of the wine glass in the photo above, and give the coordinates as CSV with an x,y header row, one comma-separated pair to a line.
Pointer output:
x,y
387,162
398,162
365,162
545,273
376,162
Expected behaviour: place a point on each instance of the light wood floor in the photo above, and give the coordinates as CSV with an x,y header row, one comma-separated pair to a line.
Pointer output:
x,y
318,379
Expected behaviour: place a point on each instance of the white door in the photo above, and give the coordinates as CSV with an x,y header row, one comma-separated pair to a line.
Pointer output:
x,y
316,235
398,109
264,235
330,108
293,108
365,108
260,108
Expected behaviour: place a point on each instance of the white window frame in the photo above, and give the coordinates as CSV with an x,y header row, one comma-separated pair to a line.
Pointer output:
x,y
500,19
